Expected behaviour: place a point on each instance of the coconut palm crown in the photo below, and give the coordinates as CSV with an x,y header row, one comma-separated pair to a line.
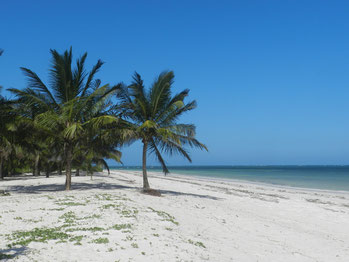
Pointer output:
x,y
72,107
153,116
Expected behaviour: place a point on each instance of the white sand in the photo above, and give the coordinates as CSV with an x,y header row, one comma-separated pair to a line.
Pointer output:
x,y
217,220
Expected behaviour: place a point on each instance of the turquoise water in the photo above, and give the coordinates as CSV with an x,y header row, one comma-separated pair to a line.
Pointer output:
x,y
315,177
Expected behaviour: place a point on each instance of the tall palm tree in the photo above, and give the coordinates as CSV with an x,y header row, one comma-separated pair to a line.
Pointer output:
x,y
5,145
71,105
153,115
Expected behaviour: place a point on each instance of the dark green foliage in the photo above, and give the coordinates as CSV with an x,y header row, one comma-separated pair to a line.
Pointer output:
x,y
70,116
75,124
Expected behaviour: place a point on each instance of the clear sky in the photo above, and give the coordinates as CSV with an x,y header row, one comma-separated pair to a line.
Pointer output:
x,y
271,78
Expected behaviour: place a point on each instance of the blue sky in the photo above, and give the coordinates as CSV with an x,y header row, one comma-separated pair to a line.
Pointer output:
x,y
271,78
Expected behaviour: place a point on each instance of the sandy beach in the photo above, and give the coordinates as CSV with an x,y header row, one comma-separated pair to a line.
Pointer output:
x,y
195,219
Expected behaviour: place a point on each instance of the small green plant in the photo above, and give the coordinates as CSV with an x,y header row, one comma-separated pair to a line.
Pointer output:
x,y
91,229
101,240
70,204
156,235
134,245
121,226
69,217
198,243
77,239
57,209
4,193
4,256
129,238
165,216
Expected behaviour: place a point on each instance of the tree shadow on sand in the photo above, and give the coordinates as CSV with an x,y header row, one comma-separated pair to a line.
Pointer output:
x,y
11,253
79,186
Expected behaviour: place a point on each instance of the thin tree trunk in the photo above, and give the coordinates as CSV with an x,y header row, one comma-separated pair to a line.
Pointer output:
x,y
36,165
1,164
60,169
77,172
48,171
68,168
145,176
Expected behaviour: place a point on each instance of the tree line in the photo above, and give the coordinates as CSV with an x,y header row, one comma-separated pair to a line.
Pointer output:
x,y
75,122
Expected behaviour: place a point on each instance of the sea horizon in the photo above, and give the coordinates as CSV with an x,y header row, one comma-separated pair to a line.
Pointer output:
x,y
323,177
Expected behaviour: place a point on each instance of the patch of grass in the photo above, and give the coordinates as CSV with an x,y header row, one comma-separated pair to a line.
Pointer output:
x,y
32,220
129,213
57,209
23,238
93,216
168,228
70,204
197,243
165,216
92,229
129,238
18,218
121,226
107,197
156,235
69,217
134,245
4,193
101,240
109,206
4,256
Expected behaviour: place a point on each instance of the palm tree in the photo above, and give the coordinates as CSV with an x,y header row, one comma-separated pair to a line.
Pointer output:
x,y
6,118
71,105
153,115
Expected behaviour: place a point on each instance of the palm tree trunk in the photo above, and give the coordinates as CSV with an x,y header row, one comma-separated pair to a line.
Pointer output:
x,y
1,164
145,176
48,171
60,169
77,172
68,168
36,165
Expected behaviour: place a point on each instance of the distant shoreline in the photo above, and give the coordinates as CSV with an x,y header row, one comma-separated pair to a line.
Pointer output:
x,y
324,178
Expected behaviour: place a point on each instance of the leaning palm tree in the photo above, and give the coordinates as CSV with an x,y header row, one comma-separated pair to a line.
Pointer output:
x,y
153,115
71,105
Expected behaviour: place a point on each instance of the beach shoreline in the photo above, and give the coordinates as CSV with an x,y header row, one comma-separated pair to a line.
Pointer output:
x,y
195,219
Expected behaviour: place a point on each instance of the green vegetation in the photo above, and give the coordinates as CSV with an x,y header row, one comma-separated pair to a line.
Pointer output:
x,y
165,216
153,117
4,256
121,226
23,238
196,243
4,193
101,240
77,122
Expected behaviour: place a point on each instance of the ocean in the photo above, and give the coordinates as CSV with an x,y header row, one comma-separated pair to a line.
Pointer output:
x,y
313,177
